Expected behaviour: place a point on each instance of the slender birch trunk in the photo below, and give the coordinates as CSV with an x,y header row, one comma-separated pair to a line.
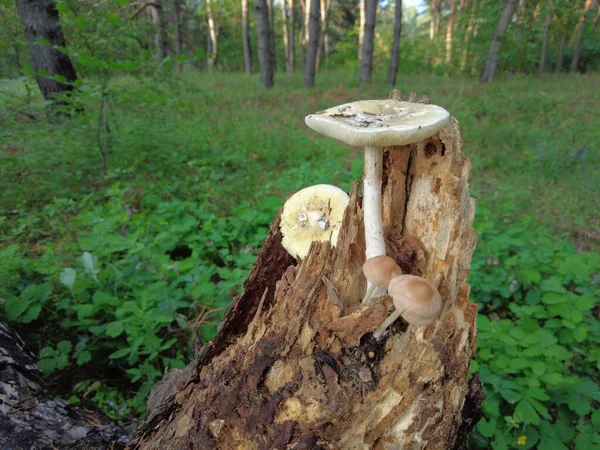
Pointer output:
x,y
291,63
366,65
468,34
578,33
324,35
246,38
312,44
434,25
491,62
449,30
214,44
544,50
284,29
178,35
361,30
561,52
396,47
265,61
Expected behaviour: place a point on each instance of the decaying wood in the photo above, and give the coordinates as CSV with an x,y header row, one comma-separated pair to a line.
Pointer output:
x,y
31,419
295,365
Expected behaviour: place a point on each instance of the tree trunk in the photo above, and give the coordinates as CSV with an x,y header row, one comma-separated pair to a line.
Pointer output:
x,y
31,419
324,35
544,50
291,62
160,37
246,38
449,30
214,38
305,22
178,35
561,52
434,24
468,34
294,364
272,34
578,34
361,29
313,43
285,28
396,47
40,22
366,64
528,35
265,61
491,62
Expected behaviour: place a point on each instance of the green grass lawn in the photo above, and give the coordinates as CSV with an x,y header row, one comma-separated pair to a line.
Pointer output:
x,y
111,273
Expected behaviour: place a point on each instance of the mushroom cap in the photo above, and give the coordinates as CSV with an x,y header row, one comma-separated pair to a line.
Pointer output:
x,y
379,123
312,214
379,270
417,298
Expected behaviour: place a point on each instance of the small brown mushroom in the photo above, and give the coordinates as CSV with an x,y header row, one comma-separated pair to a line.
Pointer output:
x,y
379,270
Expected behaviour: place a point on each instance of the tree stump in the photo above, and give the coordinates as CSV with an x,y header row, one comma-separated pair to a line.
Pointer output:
x,y
295,365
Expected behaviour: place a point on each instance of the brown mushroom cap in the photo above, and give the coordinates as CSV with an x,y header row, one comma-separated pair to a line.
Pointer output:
x,y
379,270
417,299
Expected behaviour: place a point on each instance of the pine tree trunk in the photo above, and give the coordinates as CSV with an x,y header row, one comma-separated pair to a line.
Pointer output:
x,y
324,35
449,32
561,52
284,29
272,35
246,38
578,34
366,64
434,25
310,63
396,47
491,63
291,63
31,419
214,38
40,21
295,365
178,34
361,28
265,61
468,34
305,22
544,50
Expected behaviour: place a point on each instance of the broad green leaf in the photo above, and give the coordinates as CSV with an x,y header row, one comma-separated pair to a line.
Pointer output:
x,y
60,78
120,353
83,357
527,413
64,346
31,314
114,329
67,277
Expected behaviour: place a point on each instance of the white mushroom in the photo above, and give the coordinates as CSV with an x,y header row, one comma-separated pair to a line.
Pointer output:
x,y
312,214
375,124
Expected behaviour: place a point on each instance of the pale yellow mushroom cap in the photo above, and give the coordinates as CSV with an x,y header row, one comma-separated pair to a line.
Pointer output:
x,y
379,123
312,214
380,269
417,299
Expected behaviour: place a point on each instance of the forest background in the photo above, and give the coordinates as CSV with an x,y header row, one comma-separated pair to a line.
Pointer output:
x,y
138,177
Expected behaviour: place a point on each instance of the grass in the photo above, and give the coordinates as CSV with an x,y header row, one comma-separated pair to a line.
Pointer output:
x,y
531,139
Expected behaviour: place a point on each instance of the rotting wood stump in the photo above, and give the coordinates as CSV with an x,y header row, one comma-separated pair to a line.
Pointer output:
x,y
295,365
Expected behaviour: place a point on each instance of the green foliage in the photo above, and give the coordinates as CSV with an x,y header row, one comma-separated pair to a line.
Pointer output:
x,y
538,346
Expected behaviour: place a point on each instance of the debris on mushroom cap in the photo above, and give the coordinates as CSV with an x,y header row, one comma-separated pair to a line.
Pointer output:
x,y
379,270
312,214
417,299
379,123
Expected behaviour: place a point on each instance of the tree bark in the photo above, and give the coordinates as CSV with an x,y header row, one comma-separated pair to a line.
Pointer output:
x,y
491,62
366,64
396,47
305,23
40,22
561,52
361,28
294,364
323,46
214,38
310,62
468,34
272,34
284,29
31,419
265,61
449,32
578,34
160,37
246,38
434,24
291,62
178,35
544,50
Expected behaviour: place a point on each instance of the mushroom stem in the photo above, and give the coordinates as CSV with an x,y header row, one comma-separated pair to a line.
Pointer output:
x,y
369,293
386,323
374,241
